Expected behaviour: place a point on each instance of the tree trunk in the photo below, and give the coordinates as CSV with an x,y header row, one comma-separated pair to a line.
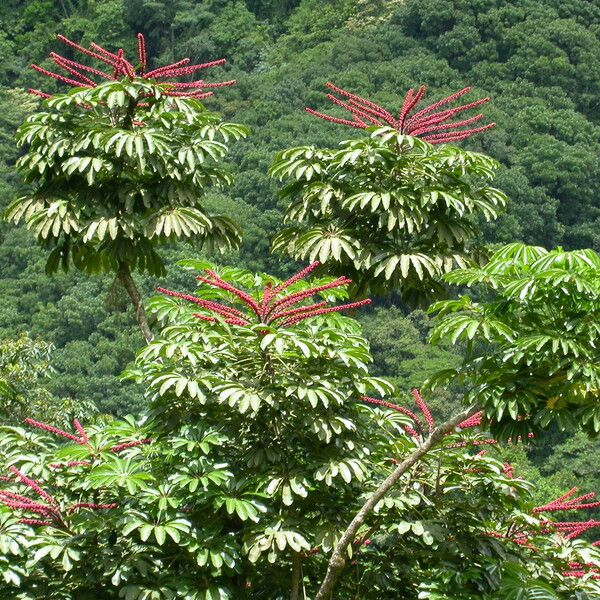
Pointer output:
x,y
339,556
296,572
124,275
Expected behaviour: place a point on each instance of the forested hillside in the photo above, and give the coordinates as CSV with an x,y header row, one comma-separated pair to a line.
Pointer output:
x,y
539,61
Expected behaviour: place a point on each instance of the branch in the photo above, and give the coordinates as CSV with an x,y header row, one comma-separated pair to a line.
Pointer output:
x,y
124,275
339,556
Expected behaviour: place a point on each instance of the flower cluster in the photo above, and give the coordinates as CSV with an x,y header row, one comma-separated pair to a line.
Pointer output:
x,y
418,429
81,74
429,123
83,440
46,513
274,305
568,529
565,502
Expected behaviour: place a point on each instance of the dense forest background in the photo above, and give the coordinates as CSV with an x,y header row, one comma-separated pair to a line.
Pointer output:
x,y
538,59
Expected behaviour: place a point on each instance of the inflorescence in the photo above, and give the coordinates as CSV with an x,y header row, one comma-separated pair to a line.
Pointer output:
x,y
568,529
46,511
273,307
429,123
80,75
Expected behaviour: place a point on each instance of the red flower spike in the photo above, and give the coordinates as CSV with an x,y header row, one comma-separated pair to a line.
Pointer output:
x,y
61,78
81,73
58,61
299,296
43,95
125,445
334,119
425,123
323,311
156,72
92,506
142,51
397,408
81,431
565,502
55,431
424,409
85,51
273,308
432,128
35,522
216,281
32,484
299,310
473,421
507,469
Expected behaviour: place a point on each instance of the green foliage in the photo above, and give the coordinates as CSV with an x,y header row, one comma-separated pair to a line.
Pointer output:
x,y
532,351
24,372
112,178
253,455
391,210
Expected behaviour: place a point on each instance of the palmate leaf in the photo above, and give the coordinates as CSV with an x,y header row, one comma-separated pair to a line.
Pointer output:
x,y
392,196
178,222
325,244
402,265
129,171
541,338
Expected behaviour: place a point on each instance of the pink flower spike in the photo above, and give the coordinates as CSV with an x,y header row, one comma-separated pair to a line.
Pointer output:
x,y
84,436
179,72
92,506
142,51
397,408
53,430
409,104
424,409
323,311
36,522
39,93
473,421
58,77
126,445
299,310
30,483
334,119
441,102
83,50
183,61
64,65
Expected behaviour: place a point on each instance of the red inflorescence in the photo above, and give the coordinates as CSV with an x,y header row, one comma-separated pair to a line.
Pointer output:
x,y
410,430
429,124
125,445
421,404
272,308
565,502
56,431
80,74
424,409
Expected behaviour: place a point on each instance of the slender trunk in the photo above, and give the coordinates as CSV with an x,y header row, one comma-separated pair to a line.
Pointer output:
x,y
126,279
296,571
339,556
64,8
